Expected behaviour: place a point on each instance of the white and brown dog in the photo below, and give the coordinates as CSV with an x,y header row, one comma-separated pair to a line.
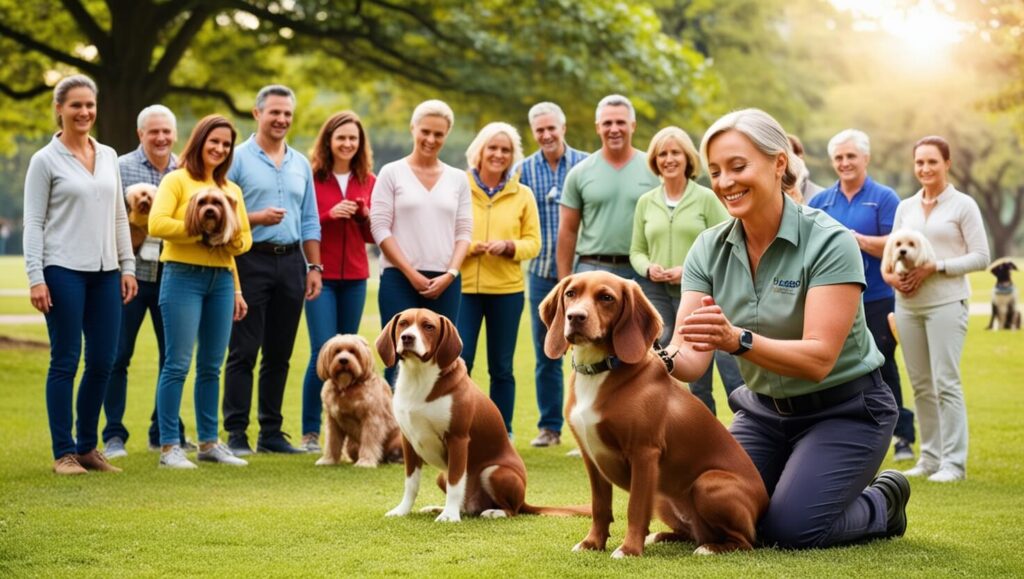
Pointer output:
x,y
139,200
357,402
448,423
641,430
211,213
1005,313
905,250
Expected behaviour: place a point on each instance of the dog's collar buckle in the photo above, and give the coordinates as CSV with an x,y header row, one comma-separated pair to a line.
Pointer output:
x,y
608,364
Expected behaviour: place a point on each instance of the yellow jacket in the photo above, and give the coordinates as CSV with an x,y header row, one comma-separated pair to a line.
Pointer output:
x,y
167,221
510,215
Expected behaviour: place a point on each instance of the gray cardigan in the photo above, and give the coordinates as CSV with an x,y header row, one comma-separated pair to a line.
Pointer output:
x,y
73,218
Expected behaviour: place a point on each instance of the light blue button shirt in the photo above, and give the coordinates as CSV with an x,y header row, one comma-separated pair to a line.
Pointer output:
x,y
289,186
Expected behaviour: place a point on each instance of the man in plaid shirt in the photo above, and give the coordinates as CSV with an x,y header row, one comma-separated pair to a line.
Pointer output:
x,y
544,172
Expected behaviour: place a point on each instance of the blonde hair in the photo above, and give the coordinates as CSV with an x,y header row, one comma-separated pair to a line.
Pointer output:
x,y
476,148
678,135
433,108
763,131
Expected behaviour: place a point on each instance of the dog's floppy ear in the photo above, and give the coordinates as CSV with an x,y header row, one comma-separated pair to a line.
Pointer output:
x,y
449,343
193,224
323,361
888,263
231,224
386,342
926,253
638,325
552,313
365,357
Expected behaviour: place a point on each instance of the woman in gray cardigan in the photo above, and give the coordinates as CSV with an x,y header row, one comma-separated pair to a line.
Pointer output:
x,y
78,256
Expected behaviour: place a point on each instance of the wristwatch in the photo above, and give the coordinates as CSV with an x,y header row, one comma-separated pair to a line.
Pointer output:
x,y
746,343
453,271
314,266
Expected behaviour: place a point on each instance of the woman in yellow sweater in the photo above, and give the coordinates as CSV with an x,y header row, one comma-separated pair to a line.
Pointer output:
x,y
506,230
199,292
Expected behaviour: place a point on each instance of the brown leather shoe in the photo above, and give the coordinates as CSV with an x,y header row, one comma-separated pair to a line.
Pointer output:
x,y
94,460
67,465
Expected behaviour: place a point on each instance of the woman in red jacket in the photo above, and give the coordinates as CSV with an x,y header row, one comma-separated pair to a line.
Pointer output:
x,y
343,177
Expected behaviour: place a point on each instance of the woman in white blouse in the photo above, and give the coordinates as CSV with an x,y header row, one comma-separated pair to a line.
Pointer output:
x,y
932,309
422,219
80,265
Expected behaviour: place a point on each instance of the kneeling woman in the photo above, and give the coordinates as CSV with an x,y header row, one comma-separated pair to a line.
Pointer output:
x,y
506,230
199,292
779,286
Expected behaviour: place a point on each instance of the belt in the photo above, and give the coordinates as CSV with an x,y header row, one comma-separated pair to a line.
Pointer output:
x,y
274,248
611,259
808,403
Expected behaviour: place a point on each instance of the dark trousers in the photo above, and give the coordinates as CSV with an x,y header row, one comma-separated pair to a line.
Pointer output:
x,y
84,303
547,373
274,287
876,314
396,295
816,466
502,313
132,315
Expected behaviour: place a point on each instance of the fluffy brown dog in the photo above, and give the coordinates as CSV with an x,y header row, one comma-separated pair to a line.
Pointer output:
x,y
641,430
139,199
211,214
358,406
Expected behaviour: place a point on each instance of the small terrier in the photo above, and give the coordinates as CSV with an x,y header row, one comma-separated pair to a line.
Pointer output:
x,y
139,200
211,214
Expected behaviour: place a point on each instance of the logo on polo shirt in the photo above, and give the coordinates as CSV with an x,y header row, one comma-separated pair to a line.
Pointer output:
x,y
785,286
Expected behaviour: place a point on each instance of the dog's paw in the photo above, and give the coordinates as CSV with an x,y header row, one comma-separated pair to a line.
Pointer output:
x,y
703,550
325,461
587,545
652,539
431,510
398,511
366,463
448,517
493,514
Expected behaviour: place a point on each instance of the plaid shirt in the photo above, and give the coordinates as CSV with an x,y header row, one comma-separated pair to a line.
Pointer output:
x,y
136,168
536,173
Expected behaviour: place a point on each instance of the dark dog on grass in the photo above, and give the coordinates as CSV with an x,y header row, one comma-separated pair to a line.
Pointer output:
x,y
1005,315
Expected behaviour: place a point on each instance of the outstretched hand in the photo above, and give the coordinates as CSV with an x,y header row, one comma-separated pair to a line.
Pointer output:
x,y
707,328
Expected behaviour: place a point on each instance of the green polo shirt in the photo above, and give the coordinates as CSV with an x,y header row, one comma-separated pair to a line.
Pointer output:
x,y
811,249
606,199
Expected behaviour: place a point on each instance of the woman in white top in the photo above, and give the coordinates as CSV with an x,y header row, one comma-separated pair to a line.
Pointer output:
x,y
422,219
80,265
932,308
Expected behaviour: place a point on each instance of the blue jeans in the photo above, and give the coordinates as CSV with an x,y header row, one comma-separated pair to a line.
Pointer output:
x,y
132,315
396,295
547,373
197,304
84,303
502,312
338,310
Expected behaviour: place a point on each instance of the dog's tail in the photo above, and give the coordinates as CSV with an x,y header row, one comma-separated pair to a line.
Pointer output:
x,y
570,511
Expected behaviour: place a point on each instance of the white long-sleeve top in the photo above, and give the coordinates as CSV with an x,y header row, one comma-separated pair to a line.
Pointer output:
x,y
957,234
73,218
426,224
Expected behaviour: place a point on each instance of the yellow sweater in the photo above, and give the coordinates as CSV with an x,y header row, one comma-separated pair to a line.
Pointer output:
x,y
167,221
510,215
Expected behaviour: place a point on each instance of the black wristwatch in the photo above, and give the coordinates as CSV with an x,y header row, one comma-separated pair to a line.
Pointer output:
x,y
314,266
746,343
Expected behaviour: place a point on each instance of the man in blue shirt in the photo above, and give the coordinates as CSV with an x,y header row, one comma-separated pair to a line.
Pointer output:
x,y
281,270
544,172
868,210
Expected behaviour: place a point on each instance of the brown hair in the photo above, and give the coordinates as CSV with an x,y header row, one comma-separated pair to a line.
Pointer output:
x,y
938,142
192,155
322,159
66,85
798,147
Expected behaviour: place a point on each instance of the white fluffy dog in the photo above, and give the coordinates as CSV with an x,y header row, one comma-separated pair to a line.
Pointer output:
x,y
905,250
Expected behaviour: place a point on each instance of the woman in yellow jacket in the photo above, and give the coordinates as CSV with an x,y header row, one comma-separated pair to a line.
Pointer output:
x,y
506,230
199,291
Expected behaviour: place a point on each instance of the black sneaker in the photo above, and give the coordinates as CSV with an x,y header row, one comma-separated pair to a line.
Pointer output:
x,y
277,442
896,489
238,444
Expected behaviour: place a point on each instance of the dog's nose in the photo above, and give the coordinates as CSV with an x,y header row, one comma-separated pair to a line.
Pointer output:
x,y
343,362
576,316
408,339
903,252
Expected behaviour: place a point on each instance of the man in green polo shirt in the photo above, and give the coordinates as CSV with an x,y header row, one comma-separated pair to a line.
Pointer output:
x,y
600,194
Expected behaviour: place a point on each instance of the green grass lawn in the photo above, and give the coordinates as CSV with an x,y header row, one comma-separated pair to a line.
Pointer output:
x,y
281,516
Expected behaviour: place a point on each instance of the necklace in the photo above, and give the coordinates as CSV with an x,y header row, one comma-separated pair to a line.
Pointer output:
x,y
932,201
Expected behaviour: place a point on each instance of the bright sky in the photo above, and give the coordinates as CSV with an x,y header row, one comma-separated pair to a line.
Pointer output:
x,y
924,26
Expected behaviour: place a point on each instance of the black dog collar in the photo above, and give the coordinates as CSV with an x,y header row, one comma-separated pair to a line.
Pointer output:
x,y
606,365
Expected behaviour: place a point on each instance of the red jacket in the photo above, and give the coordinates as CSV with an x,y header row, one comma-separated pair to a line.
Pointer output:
x,y
343,241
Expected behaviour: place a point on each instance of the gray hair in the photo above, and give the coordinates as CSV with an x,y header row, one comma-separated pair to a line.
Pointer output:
x,y
475,151
66,85
155,110
433,108
614,100
273,90
858,138
766,134
546,108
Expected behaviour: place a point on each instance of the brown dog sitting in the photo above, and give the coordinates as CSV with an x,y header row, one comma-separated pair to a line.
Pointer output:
x,y
641,430
360,425
211,214
448,423
139,199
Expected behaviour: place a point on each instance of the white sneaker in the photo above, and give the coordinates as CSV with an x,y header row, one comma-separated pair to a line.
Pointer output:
x,y
945,475
220,453
114,448
918,470
175,458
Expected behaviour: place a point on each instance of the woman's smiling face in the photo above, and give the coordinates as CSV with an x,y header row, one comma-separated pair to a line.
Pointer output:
x,y
741,175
